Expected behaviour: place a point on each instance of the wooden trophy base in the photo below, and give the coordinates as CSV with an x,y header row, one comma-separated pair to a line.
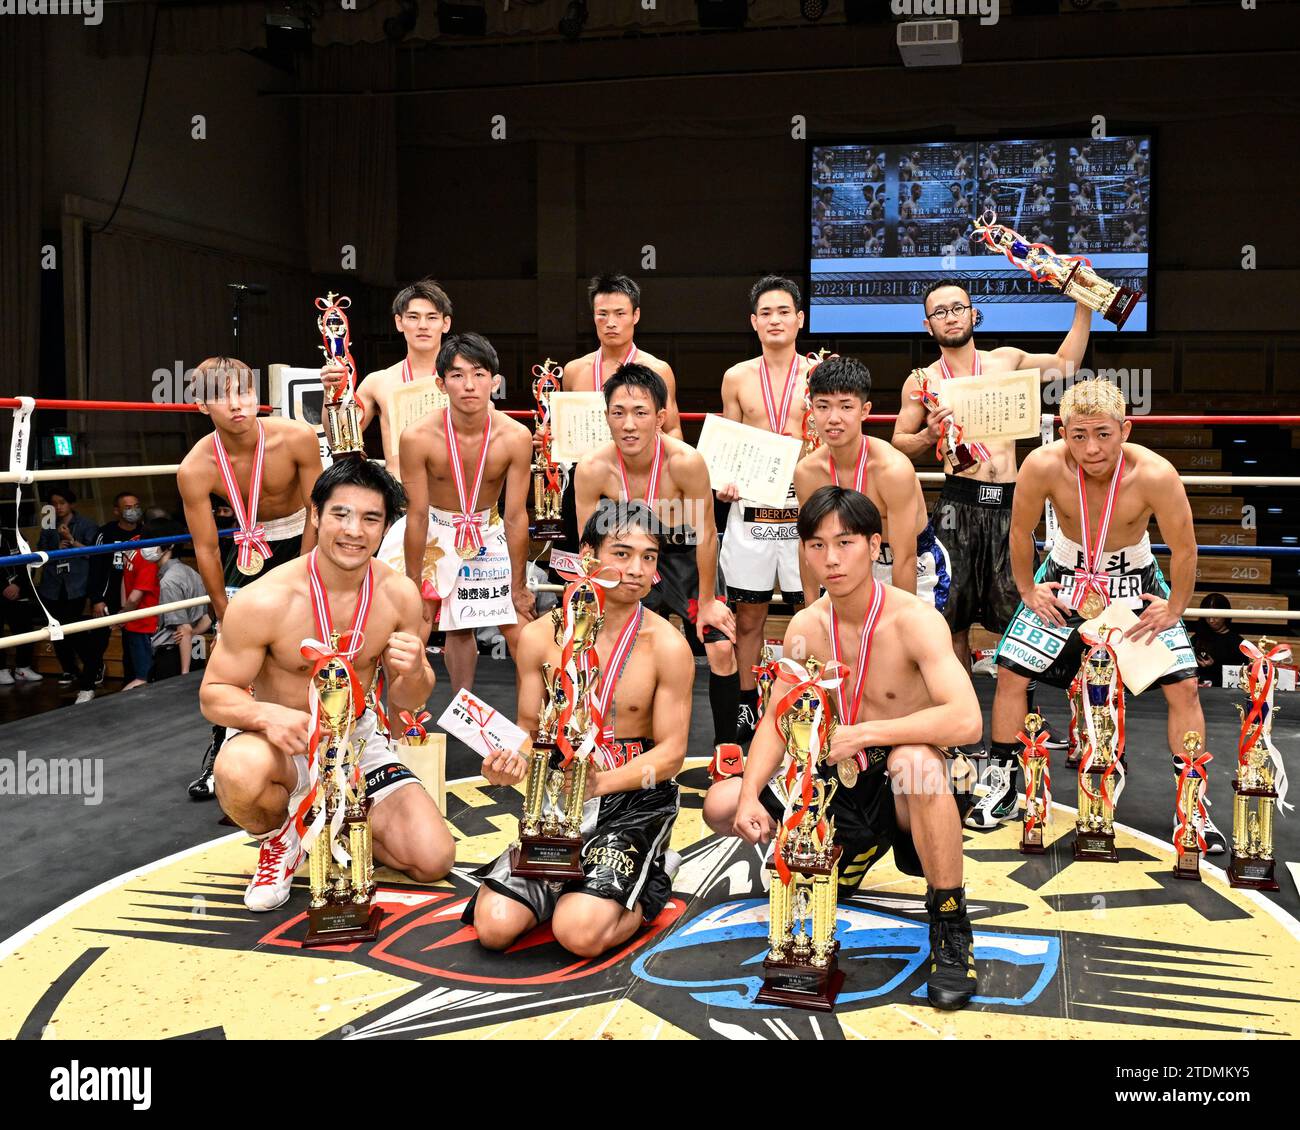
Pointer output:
x,y
961,458
1095,847
553,858
1031,843
1188,864
1253,874
342,925
1123,304
797,984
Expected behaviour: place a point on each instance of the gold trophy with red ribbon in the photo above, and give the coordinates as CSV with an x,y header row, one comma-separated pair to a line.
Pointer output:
x,y
800,969
1188,841
341,867
339,415
812,439
1076,699
1035,759
952,444
550,830
1071,274
548,523
1101,766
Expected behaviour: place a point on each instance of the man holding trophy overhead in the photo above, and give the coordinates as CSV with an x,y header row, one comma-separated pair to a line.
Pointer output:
x,y
335,601
642,700
902,701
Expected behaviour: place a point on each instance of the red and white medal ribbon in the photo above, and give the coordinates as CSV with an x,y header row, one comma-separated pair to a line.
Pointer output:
x,y
571,662
250,536
859,475
849,709
977,449
1036,746
320,653
1092,577
597,377
777,423
788,671
1188,767
652,484
603,697
407,375
1115,703
1261,682
468,532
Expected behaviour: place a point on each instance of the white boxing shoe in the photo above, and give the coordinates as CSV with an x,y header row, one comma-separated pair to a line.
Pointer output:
x,y
278,859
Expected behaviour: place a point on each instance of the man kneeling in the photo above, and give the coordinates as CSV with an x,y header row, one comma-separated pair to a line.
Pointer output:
x,y
632,804
261,775
903,699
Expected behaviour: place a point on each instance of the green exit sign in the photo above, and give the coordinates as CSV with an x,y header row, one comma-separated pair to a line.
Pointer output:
x,y
62,445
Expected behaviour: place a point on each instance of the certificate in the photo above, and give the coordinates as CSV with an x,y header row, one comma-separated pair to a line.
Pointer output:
x,y
1141,664
759,462
994,406
480,726
411,402
578,424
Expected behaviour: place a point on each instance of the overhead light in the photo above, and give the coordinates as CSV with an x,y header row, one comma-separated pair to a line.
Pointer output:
x,y
812,10
573,20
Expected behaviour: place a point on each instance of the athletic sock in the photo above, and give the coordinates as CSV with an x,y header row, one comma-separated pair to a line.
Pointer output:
x,y
1007,754
724,702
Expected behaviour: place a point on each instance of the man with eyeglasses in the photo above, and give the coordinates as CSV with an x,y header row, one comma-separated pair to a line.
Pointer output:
x,y
973,515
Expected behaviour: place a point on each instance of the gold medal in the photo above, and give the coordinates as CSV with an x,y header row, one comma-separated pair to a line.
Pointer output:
x,y
466,551
848,771
254,566
1093,605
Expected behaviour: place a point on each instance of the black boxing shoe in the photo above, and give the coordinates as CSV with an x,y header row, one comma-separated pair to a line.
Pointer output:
x,y
953,977
203,787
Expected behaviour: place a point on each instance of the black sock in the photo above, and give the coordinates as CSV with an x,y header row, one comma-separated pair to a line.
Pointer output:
x,y
1029,696
1006,754
724,702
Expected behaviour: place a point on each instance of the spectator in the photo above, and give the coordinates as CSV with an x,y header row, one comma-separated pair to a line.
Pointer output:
x,y
1216,641
172,641
16,615
140,589
105,586
63,589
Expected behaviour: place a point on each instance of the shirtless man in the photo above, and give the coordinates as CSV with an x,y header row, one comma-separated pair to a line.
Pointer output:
x,y
902,711
631,805
273,525
452,542
262,773
641,463
760,548
911,557
422,315
1042,641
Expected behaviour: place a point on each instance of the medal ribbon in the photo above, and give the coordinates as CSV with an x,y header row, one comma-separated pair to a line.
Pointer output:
x,y
777,424
1036,746
599,579
849,716
1115,769
652,484
468,532
1188,766
1260,685
603,696
597,378
251,535
859,476
1092,577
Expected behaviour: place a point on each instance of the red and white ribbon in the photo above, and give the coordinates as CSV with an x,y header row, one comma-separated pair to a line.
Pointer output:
x,y
251,535
849,710
860,474
952,434
1261,682
1111,789
977,449
1036,746
652,484
468,531
597,377
413,724
1190,766
603,697
1092,577
777,423
572,662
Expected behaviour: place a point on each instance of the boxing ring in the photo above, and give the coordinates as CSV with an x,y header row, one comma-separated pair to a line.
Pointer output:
x,y
123,913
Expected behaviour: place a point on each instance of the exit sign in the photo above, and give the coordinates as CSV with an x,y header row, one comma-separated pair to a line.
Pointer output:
x,y
62,445
57,445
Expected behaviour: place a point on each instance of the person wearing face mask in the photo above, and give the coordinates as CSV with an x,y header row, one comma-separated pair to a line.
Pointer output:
x,y
105,586
140,589
174,638
63,588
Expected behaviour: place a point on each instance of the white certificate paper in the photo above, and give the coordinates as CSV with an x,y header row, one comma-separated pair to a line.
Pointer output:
x,y
1140,664
411,402
480,726
578,424
994,406
759,462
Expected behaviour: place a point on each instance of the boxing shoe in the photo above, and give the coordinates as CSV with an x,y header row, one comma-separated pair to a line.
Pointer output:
x,y
728,761
277,860
203,787
1000,802
953,978
746,722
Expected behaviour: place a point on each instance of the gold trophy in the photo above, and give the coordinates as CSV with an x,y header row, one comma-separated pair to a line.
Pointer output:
x,y
1035,759
550,830
1251,864
339,413
800,969
1094,834
341,869
765,676
1076,697
548,524
1191,784
1071,274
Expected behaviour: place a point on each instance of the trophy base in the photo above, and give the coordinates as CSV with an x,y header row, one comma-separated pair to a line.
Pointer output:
x,y
341,925
1073,758
1188,864
1095,847
1121,306
548,529
1031,843
553,858
1253,874
961,459
796,984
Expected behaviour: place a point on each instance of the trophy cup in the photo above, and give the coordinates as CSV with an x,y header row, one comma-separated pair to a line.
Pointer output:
x,y
800,969
341,868
1036,761
1188,842
550,830
764,677
1071,274
548,524
951,445
1094,837
812,439
339,413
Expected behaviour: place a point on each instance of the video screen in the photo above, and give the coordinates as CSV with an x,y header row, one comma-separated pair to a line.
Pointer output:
x,y
887,220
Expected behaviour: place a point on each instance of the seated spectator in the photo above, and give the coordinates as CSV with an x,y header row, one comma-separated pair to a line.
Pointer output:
x,y
1217,642
172,642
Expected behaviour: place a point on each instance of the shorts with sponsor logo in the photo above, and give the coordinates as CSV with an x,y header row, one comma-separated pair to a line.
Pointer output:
x,y
975,519
625,836
283,535
933,575
760,552
1038,650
